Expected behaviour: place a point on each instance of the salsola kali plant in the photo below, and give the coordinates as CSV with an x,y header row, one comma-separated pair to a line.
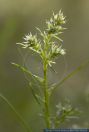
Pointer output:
x,y
48,48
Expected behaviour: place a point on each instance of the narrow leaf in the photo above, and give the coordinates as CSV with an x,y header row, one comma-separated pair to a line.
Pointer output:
x,y
17,114
80,67
40,32
28,72
34,94
54,36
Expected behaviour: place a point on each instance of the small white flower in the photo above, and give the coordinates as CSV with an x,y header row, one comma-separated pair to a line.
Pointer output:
x,y
51,62
62,52
28,37
55,17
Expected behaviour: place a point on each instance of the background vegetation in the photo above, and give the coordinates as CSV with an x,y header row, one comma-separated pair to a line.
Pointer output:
x,y
20,17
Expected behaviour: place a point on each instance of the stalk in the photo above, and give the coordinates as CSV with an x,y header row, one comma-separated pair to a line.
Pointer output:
x,y
46,98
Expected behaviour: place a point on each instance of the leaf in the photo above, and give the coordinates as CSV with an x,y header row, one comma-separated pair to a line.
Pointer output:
x,y
28,72
54,36
40,31
80,67
17,114
35,95
21,44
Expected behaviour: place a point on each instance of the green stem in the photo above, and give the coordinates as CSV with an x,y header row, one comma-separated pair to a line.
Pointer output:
x,y
46,97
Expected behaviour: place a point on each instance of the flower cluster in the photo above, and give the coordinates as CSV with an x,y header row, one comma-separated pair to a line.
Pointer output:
x,y
56,50
54,25
48,50
31,42
65,112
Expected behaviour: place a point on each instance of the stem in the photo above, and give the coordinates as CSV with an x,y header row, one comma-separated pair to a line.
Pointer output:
x,y
46,97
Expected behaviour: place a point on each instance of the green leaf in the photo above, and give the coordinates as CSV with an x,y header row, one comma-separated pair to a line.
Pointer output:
x,y
40,31
80,67
17,114
54,36
34,84
29,73
37,98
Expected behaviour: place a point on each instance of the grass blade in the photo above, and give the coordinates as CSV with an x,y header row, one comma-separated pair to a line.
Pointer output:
x,y
17,114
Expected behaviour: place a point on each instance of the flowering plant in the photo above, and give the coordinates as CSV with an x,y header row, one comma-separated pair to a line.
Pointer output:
x,y
48,48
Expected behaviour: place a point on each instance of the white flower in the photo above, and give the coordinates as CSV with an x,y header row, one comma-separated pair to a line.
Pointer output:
x,y
28,37
62,52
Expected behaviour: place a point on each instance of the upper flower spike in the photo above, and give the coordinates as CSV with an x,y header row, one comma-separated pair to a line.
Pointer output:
x,y
54,25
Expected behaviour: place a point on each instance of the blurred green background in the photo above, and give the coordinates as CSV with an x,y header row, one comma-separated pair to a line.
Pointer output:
x,y
19,17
